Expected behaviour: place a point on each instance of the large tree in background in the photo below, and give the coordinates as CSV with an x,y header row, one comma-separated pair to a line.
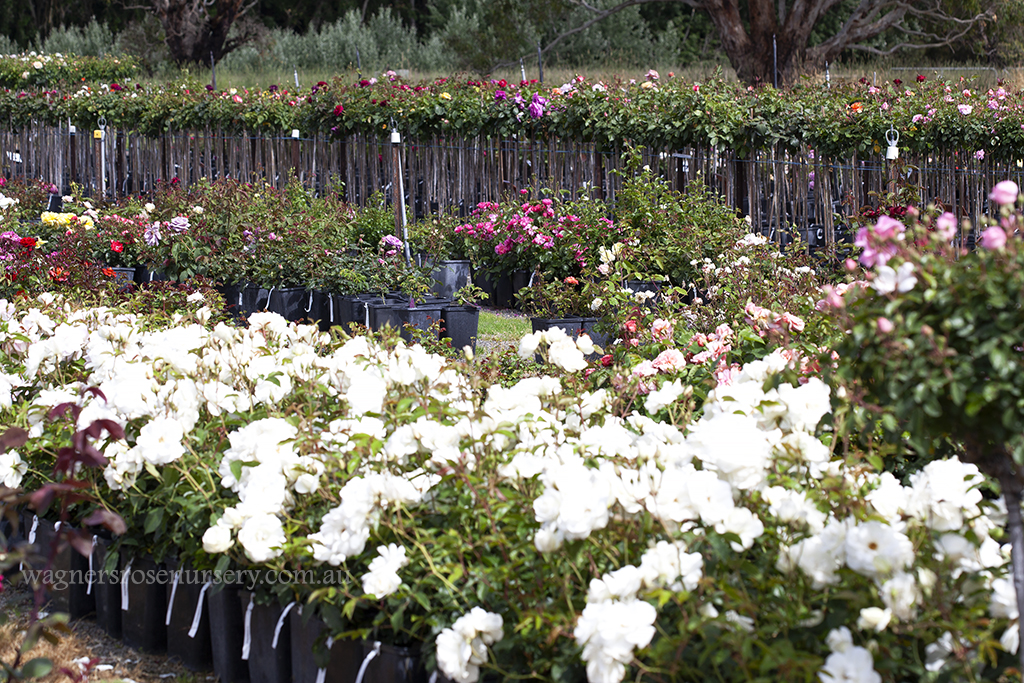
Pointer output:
x,y
770,40
198,29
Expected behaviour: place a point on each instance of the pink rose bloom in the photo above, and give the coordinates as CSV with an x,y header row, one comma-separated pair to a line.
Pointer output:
x,y
670,360
662,329
993,238
725,375
724,332
794,323
645,369
1004,192
945,226
884,325
887,228
965,109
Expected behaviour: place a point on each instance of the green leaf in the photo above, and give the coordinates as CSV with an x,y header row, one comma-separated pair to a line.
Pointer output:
x,y
876,462
36,668
350,608
153,519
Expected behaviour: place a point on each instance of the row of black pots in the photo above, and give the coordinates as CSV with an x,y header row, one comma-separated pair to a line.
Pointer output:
x,y
155,608
459,323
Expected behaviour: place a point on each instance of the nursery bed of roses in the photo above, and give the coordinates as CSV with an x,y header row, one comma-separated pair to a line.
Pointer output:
x,y
929,113
580,524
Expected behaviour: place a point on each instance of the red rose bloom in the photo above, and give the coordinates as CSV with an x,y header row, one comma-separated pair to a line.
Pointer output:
x,y
29,242
116,246
109,272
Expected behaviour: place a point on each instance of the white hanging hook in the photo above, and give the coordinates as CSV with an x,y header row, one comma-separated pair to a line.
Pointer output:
x,y
102,122
892,136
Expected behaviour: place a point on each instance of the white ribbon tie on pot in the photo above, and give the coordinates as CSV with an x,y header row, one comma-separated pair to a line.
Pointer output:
x,y
309,306
125,577
31,537
88,577
198,616
330,303
321,674
247,638
280,622
366,661
174,591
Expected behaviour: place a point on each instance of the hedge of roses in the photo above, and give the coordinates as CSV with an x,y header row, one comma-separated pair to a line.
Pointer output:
x,y
31,70
930,113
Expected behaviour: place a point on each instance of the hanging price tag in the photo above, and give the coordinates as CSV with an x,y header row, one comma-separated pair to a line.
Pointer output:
x,y
97,134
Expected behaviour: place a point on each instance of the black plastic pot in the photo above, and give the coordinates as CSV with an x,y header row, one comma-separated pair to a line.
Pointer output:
x,y
520,279
304,633
460,324
393,664
67,591
590,328
254,298
194,651
144,274
498,289
143,617
421,317
232,298
226,632
382,314
124,277
449,276
571,326
342,660
267,664
290,303
106,588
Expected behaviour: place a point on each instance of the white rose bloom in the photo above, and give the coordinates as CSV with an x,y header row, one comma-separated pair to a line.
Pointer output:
x,y
733,446
217,539
874,549
262,537
664,396
621,584
874,619
548,539
900,594
462,648
852,665
666,564
382,579
160,441
12,469
806,404
609,632
821,556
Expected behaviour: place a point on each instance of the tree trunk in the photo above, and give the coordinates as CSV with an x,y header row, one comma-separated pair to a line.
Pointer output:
x,y
1011,485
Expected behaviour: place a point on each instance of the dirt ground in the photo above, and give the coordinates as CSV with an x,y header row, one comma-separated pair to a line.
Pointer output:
x,y
86,640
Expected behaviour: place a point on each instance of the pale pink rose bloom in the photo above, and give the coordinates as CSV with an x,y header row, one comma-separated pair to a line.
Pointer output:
x,y
670,360
794,323
993,238
724,332
662,329
645,369
965,109
885,325
725,375
1004,192
604,269
945,225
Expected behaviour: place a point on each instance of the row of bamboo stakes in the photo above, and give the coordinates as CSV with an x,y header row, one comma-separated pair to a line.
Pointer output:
x,y
784,194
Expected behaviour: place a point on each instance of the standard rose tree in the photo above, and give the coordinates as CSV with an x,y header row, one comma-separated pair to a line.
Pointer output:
x,y
933,344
